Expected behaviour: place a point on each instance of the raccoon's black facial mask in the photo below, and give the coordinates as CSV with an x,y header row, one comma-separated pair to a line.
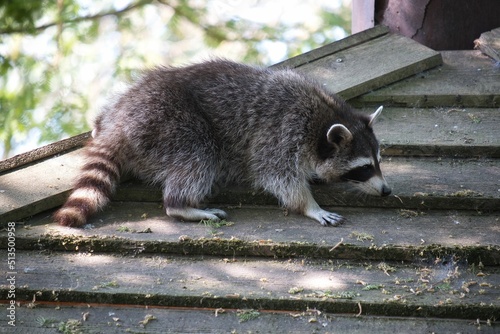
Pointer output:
x,y
359,174
363,169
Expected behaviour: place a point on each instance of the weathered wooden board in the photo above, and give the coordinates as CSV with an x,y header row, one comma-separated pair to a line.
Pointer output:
x,y
466,79
119,319
374,64
489,44
381,234
438,288
467,132
43,152
38,187
330,49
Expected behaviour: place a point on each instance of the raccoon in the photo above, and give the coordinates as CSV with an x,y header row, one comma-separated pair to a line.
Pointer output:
x,y
218,122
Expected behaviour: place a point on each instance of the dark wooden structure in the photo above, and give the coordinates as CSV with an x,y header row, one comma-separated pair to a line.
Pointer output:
x,y
438,24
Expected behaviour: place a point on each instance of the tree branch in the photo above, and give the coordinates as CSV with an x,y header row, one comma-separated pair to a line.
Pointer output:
x,y
133,6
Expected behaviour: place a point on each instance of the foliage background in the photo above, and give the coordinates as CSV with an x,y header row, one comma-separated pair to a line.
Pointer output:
x,y
60,60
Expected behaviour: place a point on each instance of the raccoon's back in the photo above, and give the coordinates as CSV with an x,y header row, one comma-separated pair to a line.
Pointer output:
x,y
247,113
221,91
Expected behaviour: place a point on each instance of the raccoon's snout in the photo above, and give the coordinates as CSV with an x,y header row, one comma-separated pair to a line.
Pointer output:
x,y
386,191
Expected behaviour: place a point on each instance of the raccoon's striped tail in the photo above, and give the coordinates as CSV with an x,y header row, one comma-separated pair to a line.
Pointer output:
x,y
93,188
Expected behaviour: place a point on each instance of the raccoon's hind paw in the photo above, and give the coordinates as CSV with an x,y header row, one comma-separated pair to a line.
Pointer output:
x,y
219,213
192,214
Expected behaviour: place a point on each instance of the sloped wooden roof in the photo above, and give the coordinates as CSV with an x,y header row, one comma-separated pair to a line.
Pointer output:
x,y
431,250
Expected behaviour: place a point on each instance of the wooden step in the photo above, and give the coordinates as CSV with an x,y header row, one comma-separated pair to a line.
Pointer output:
x,y
90,318
466,79
440,131
346,67
439,287
377,234
431,249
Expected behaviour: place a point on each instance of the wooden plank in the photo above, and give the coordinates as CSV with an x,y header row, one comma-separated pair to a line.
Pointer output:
x,y
47,317
44,152
38,187
466,79
489,44
466,132
330,49
370,65
399,235
435,288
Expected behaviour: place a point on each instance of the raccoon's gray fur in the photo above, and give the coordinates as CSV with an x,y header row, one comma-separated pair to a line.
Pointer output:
x,y
217,122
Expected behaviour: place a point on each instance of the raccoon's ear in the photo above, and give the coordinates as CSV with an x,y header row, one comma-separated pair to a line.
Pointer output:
x,y
339,135
374,116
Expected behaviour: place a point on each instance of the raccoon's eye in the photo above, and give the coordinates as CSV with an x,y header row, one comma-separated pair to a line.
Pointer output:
x,y
359,174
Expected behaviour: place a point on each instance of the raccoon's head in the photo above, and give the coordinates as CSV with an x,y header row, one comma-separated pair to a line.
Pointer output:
x,y
351,153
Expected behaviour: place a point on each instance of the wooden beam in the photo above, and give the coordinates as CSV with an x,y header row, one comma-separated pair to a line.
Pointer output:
x,y
363,15
43,152
440,131
396,234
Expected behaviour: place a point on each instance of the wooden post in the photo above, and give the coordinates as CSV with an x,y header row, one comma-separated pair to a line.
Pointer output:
x,y
363,15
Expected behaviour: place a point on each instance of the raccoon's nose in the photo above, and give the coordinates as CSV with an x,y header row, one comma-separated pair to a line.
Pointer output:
x,y
386,191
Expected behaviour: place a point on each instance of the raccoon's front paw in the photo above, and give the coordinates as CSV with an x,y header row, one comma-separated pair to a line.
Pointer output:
x,y
331,218
327,218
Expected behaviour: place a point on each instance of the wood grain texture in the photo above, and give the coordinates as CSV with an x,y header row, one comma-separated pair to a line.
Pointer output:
x,y
441,179
432,249
332,48
370,65
38,187
256,283
129,319
440,131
